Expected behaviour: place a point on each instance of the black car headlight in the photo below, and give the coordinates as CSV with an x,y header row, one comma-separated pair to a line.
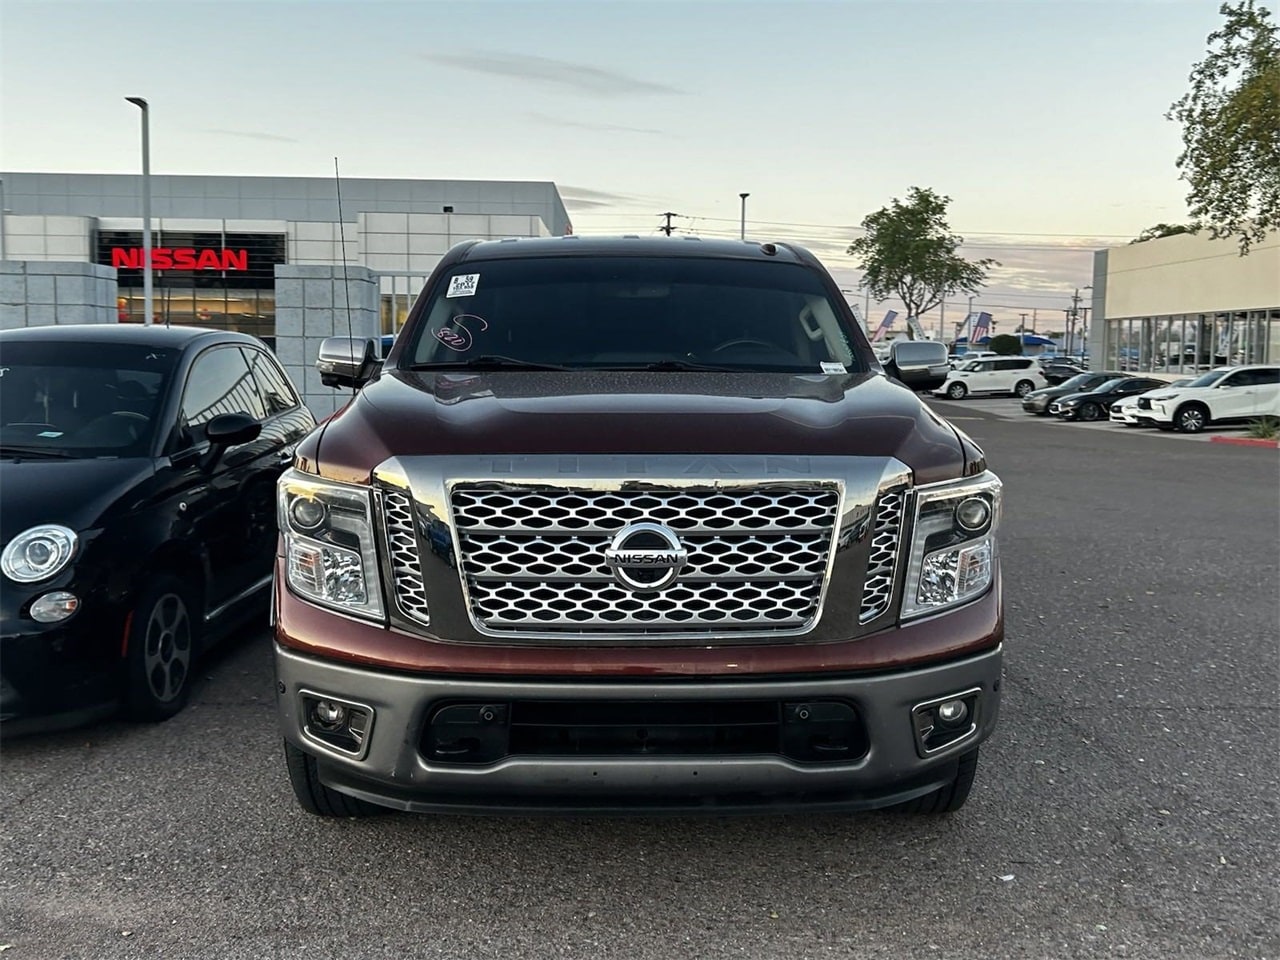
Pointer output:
x,y
330,556
953,544
38,553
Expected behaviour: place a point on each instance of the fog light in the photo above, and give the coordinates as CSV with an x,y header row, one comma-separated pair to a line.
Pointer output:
x,y
953,712
330,714
54,607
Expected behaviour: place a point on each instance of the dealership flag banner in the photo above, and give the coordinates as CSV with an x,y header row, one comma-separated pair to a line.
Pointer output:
x,y
981,327
885,324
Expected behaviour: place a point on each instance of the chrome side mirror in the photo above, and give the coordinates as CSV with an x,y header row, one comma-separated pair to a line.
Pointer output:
x,y
347,361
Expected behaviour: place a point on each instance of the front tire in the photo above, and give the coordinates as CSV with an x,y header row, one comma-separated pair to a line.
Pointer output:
x,y
162,646
1191,419
950,798
314,797
957,391
1089,412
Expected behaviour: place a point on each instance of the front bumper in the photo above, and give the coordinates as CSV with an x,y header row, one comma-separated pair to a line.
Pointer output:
x,y
54,676
392,767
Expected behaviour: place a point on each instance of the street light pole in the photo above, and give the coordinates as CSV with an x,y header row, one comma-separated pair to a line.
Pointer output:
x,y
141,104
742,232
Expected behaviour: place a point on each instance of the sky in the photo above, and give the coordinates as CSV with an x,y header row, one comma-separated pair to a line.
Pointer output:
x,y
1042,120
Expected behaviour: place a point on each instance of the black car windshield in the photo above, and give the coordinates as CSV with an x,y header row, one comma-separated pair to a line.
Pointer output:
x,y
80,400
659,313
1109,385
1081,380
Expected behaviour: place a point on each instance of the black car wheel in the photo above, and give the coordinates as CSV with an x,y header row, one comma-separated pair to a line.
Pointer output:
x,y
1089,412
162,647
1191,419
957,391
314,797
1023,387
950,798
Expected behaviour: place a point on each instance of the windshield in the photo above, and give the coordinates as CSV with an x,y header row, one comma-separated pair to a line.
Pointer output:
x,y
1208,379
634,312
1108,385
1080,380
80,400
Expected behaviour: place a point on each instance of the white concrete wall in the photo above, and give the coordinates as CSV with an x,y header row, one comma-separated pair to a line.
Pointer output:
x,y
1191,274
41,293
411,244
47,238
311,304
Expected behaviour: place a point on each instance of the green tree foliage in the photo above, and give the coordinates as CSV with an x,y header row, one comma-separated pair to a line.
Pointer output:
x,y
909,252
1163,230
1006,344
1231,128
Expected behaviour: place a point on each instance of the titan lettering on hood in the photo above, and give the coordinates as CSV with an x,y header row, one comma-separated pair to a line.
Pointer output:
x,y
180,258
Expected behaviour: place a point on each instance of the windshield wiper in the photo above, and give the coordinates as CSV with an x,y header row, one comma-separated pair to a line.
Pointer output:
x,y
672,365
17,450
489,361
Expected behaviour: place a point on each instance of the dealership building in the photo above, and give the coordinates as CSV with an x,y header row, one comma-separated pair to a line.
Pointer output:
x,y
219,242
1185,303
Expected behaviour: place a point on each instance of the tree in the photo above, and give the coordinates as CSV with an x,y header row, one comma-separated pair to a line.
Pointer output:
x,y
909,251
1231,128
1006,344
1164,230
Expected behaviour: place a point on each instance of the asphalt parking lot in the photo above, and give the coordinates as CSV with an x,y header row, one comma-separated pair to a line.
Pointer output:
x,y
1127,806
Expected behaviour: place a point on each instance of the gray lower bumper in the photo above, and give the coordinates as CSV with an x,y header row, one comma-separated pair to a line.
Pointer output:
x,y
393,772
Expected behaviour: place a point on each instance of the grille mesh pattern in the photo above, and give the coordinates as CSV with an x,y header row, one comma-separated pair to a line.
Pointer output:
x,y
533,558
406,560
877,589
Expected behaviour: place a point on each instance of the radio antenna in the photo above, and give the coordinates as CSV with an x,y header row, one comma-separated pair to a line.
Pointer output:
x,y
342,242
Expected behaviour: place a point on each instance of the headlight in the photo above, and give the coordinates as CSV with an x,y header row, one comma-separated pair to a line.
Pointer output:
x,y
39,553
1163,396
330,555
953,544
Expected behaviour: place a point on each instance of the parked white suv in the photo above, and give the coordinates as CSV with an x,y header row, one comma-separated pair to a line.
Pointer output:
x,y
1126,411
1015,375
1223,395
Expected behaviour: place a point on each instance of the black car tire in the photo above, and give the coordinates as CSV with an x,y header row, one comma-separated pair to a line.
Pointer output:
x,y
1022,388
946,799
314,797
1191,418
162,647
957,391
1089,412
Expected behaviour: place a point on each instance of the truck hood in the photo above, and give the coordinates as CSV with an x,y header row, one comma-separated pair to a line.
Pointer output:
x,y
515,413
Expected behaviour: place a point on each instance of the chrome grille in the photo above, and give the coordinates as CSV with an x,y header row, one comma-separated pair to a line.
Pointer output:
x,y
533,557
877,588
406,560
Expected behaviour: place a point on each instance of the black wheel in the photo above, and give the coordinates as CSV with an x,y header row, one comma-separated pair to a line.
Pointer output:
x,y
957,391
1089,412
314,797
1023,387
950,798
163,641
1191,419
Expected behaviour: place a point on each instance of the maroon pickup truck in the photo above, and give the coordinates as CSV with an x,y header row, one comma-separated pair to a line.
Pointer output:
x,y
633,524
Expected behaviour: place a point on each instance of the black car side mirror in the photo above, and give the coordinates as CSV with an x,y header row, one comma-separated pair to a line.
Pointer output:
x,y
232,429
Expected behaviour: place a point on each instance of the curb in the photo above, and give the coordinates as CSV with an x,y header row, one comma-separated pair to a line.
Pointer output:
x,y
1246,442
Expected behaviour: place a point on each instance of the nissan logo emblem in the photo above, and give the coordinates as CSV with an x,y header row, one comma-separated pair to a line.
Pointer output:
x,y
645,556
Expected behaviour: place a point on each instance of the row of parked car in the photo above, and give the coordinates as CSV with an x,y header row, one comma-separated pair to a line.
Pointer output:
x,y
1221,397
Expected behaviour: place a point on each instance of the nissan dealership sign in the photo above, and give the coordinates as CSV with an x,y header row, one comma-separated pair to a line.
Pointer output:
x,y
180,258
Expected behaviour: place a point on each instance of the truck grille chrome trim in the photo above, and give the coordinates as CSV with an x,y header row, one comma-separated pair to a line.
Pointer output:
x,y
533,556
406,559
877,589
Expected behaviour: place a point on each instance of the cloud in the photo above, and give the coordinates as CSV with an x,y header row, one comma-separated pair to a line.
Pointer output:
x,y
594,81
253,135
587,125
585,198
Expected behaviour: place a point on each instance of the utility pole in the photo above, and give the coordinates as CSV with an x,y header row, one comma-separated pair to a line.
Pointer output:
x,y
942,322
742,232
668,228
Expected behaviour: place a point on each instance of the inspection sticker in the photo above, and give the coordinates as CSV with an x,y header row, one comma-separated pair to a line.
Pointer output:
x,y
829,367
464,285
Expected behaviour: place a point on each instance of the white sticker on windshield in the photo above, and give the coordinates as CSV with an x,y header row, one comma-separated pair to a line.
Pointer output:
x,y
829,367
463,286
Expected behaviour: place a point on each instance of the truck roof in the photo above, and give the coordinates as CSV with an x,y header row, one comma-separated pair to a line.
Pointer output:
x,y
628,246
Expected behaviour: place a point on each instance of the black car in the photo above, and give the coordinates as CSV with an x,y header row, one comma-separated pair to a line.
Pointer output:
x,y
1038,401
1096,403
1060,372
137,489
